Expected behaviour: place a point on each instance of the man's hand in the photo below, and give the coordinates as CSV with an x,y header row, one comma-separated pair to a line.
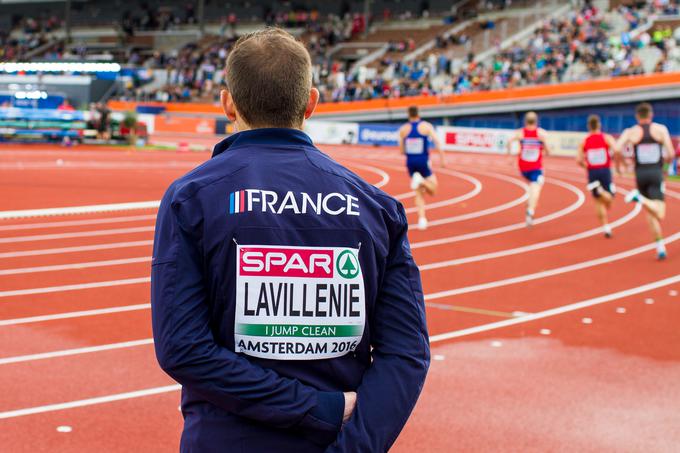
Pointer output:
x,y
350,404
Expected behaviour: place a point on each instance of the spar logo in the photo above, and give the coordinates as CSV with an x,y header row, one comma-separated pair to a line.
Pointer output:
x,y
347,264
284,262
269,201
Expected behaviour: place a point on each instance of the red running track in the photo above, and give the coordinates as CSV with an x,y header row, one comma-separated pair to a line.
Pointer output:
x,y
549,338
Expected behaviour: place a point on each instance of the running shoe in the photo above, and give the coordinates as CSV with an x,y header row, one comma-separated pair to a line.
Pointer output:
x,y
660,250
422,223
607,231
633,195
416,180
529,219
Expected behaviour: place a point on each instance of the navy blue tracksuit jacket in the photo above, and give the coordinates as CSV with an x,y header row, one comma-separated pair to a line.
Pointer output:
x,y
280,280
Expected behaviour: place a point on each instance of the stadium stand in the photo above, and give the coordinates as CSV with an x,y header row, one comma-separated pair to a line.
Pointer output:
x,y
403,48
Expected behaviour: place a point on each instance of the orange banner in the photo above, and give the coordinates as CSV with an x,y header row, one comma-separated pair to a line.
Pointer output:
x,y
165,123
540,91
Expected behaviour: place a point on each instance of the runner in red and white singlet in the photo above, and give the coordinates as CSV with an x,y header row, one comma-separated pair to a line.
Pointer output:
x,y
533,144
595,154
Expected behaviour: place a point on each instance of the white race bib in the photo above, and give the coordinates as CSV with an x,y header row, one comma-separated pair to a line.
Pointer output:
x,y
414,145
530,154
648,153
298,303
597,156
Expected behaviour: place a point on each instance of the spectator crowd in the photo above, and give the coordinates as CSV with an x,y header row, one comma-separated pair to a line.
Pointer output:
x,y
583,44
586,43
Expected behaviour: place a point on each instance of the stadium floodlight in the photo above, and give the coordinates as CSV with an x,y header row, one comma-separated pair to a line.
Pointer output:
x,y
14,67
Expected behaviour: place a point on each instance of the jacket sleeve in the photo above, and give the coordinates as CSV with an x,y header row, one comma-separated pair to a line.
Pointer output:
x,y
401,355
187,351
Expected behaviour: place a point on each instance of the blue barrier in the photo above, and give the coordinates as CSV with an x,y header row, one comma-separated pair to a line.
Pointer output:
x,y
46,101
379,134
151,109
41,114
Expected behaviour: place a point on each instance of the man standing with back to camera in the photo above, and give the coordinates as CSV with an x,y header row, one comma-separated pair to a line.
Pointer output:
x,y
285,299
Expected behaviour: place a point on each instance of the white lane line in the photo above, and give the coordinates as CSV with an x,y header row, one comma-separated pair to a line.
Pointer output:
x,y
70,266
487,211
433,339
76,234
75,351
516,226
98,165
550,272
90,401
33,226
556,311
74,287
74,249
382,173
477,188
25,213
74,314
528,248
471,215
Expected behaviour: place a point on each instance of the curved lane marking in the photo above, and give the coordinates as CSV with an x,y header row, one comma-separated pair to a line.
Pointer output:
x,y
529,248
515,226
550,272
557,310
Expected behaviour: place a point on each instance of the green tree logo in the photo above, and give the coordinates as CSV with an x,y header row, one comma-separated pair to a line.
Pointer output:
x,y
347,264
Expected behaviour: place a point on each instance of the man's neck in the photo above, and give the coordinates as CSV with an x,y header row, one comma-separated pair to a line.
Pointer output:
x,y
242,126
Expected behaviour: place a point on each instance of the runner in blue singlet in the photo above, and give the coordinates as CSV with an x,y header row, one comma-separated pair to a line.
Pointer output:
x,y
414,141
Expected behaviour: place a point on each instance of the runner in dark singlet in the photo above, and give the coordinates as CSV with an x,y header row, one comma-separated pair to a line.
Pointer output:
x,y
652,145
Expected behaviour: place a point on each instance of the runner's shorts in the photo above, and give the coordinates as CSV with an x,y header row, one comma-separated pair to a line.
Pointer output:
x,y
650,182
420,166
604,175
534,176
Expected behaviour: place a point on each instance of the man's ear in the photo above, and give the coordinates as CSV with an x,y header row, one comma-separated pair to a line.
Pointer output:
x,y
228,105
311,104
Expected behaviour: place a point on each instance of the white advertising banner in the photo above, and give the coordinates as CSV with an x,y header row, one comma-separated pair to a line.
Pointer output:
x,y
488,140
474,139
332,132
565,143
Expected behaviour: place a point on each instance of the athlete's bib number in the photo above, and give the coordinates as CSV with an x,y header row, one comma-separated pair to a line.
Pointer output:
x,y
298,303
414,145
530,154
597,156
648,153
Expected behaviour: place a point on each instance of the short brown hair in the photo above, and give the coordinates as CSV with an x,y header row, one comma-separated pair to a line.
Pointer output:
x,y
530,118
269,76
413,111
593,122
644,110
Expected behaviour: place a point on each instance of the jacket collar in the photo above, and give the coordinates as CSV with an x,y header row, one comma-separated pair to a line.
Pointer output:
x,y
264,136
